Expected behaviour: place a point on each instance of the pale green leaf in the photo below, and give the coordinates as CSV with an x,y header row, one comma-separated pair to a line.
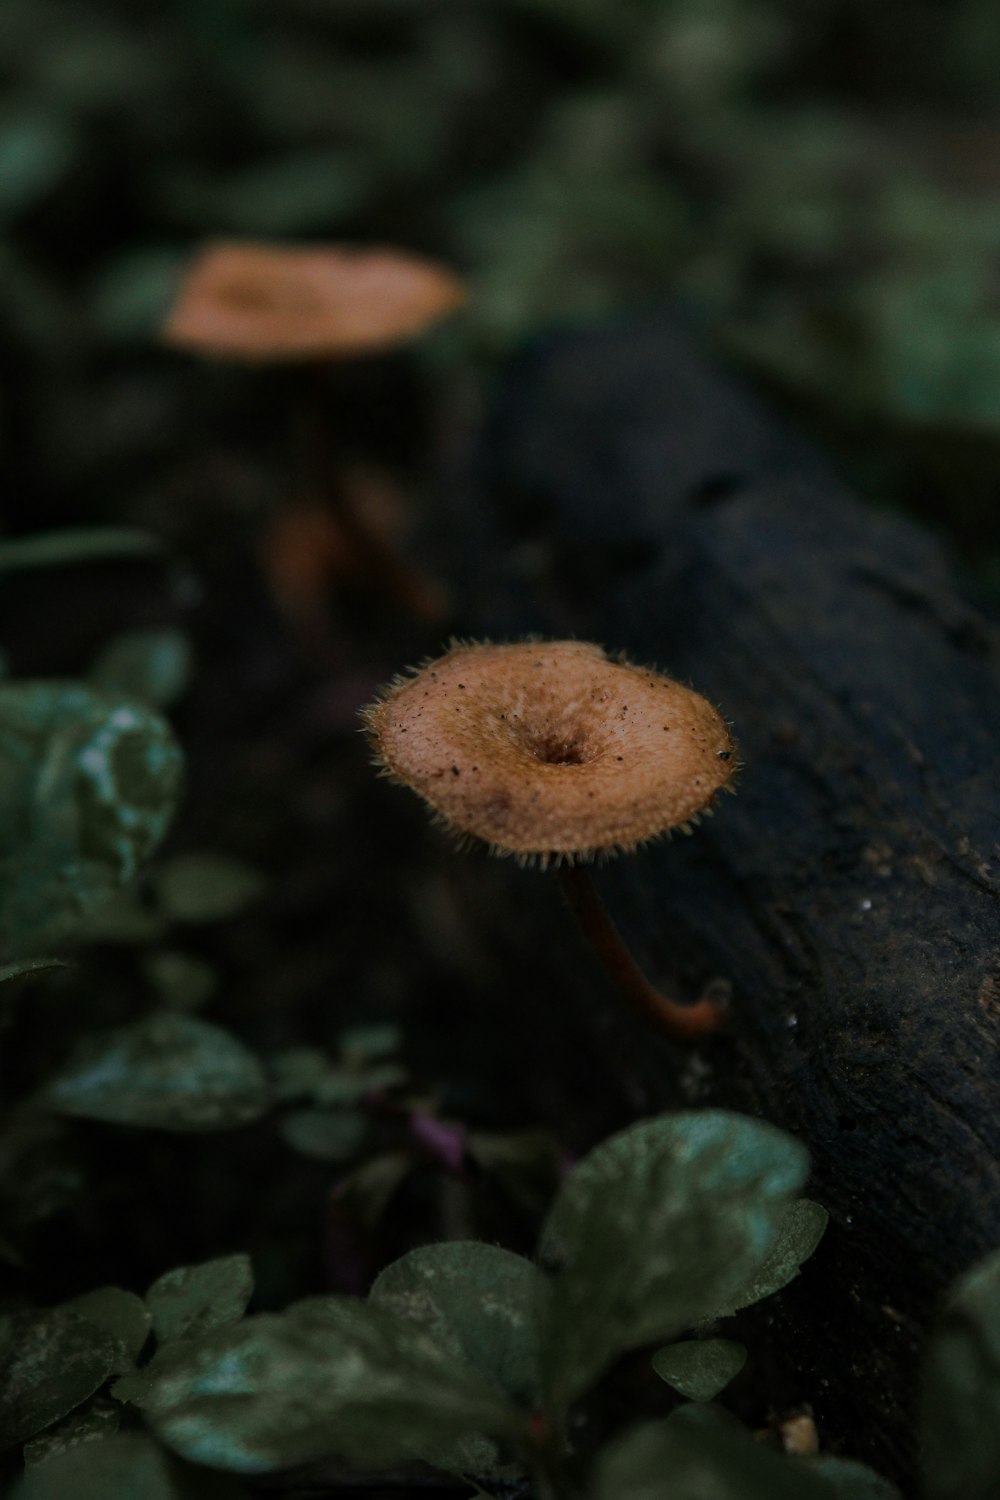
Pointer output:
x,y
36,152
94,1422
700,1368
52,549
122,1315
700,1461
848,1480
50,1363
168,1072
29,966
654,1229
803,1225
324,1135
960,1406
126,1466
330,1377
191,1301
153,666
484,1306
206,887
88,784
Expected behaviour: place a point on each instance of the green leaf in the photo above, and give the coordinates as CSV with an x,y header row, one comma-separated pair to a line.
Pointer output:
x,y
206,887
88,784
324,1135
696,1461
97,1420
803,1225
191,1301
122,1315
131,295
700,1368
302,191
53,549
153,666
180,979
960,1402
368,1044
847,1480
30,966
50,1362
36,152
127,1466
482,1305
169,1072
342,1087
654,1229
330,1377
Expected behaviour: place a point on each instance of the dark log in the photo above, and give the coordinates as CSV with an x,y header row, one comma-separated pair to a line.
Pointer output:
x,y
627,493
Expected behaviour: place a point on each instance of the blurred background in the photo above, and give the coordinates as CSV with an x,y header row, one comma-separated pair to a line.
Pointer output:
x,y
814,182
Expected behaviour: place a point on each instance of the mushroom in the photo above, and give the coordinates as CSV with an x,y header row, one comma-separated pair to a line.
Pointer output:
x,y
555,754
270,304
307,307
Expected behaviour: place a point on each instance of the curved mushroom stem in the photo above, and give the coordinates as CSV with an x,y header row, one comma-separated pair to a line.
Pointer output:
x,y
683,1022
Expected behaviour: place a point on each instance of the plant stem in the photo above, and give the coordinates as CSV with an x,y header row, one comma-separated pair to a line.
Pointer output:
x,y
683,1022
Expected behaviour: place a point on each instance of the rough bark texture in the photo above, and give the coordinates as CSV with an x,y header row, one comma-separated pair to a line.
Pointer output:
x,y
850,891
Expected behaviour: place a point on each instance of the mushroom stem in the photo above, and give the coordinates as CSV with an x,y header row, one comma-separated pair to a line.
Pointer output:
x,y
683,1022
420,596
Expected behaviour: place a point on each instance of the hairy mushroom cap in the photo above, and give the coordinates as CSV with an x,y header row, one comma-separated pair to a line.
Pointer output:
x,y
550,750
267,303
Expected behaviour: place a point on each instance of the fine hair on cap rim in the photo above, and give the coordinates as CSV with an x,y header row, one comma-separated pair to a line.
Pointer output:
x,y
551,751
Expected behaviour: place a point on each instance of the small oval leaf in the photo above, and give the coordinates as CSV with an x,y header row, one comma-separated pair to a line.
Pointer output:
x,y
700,1368
190,1301
168,1072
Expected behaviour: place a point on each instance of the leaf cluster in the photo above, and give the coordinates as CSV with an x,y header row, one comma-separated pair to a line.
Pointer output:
x,y
471,1358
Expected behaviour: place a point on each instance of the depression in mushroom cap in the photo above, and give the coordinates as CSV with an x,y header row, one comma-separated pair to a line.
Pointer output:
x,y
551,749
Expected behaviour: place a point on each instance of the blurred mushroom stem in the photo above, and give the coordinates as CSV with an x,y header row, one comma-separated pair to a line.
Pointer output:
x,y
682,1022
376,556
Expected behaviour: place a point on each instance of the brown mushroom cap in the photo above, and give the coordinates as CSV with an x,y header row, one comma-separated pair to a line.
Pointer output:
x,y
550,750
264,303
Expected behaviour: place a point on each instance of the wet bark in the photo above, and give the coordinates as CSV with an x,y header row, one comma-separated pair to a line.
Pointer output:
x,y
627,493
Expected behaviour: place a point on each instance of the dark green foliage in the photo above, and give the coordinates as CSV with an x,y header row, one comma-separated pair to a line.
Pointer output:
x,y
88,784
655,1230
130,1466
961,1394
206,887
700,1368
331,1376
467,1356
486,1307
169,1072
58,548
153,666
190,1301
801,1227
50,1362
712,1462
120,1314
94,1422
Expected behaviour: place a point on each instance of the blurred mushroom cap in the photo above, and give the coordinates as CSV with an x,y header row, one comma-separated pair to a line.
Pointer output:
x,y
551,750
264,304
